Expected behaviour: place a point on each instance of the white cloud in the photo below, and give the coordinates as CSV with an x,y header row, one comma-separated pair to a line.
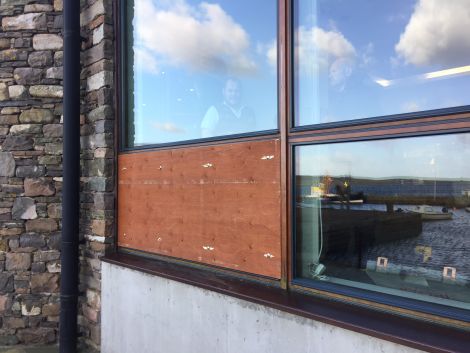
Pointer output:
x,y
202,38
144,59
318,49
271,54
437,34
168,127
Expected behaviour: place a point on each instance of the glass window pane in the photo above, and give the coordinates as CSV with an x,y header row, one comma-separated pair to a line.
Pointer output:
x,y
200,69
391,216
368,58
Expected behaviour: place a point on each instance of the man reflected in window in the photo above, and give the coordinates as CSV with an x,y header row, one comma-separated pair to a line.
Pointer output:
x,y
229,117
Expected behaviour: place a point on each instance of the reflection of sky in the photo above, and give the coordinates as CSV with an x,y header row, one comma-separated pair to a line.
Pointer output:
x,y
440,157
355,44
185,50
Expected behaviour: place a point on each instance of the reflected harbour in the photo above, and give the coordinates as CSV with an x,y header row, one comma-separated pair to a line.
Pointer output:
x,y
409,235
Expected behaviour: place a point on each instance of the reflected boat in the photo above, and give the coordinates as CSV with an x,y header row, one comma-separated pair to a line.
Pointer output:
x,y
429,214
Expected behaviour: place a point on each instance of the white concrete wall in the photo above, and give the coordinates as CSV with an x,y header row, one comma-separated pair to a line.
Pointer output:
x,y
148,314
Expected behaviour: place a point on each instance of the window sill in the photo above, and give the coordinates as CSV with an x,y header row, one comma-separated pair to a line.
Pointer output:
x,y
406,331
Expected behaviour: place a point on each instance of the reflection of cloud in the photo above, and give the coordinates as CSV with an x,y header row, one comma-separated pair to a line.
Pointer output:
x,y
144,59
271,54
411,106
325,49
202,38
437,34
168,127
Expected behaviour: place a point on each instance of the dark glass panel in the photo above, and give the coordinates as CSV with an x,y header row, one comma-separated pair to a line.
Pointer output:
x,y
391,216
200,69
368,58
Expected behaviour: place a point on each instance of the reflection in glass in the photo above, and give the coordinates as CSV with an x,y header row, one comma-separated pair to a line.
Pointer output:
x,y
200,69
365,58
391,216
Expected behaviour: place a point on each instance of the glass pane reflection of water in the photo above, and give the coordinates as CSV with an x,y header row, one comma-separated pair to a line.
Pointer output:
x,y
200,69
389,215
366,58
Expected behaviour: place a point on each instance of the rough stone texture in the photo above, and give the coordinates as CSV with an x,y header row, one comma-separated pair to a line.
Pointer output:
x,y
36,21
18,261
30,178
7,164
31,130
47,42
46,91
36,116
24,208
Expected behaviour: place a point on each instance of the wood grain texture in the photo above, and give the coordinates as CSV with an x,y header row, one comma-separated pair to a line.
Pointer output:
x,y
219,205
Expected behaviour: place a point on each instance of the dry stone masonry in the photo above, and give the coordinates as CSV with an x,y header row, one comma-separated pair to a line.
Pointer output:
x,y
31,73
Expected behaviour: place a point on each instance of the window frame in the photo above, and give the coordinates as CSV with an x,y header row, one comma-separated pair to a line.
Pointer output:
x,y
432,122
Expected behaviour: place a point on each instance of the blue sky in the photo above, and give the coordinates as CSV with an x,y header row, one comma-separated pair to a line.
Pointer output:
x,y
371,57
185,50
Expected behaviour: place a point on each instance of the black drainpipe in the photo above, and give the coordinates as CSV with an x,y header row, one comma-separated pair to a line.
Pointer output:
x,y
71,181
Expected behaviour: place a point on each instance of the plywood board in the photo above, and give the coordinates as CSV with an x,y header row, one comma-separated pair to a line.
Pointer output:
x,y
218,205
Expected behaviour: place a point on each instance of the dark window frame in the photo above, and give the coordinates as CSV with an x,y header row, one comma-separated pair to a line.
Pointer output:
x,y
291,136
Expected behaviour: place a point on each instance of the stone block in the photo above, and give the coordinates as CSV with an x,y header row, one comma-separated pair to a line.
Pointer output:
x,y
17,92
24,208
58,5
53,130
100,79
3,303
8,119
54,148
49,160
38,187
18,261
6,283
18,143
26,129
27,75
4,94
39,335
38,8
32,240
46,91
44,283
90,13
14,2
47,42
56,73
13,55
42,116
28,21
30,171
51,309
54,210
5,43
14,322
40,59
53,267
45,256
41,225
7,164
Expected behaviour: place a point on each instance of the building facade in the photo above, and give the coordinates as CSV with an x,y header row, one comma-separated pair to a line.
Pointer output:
x,y
265,178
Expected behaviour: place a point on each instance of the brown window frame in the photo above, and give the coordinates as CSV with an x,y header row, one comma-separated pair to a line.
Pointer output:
x,y
413,328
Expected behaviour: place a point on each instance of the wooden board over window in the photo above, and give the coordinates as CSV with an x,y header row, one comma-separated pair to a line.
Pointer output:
x,y
218,205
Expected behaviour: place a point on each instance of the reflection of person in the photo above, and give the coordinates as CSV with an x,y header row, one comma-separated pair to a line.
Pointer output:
x,y
230,117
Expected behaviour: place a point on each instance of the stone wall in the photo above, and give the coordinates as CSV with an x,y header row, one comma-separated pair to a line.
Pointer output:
x,y
98,156
30,170
31,167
